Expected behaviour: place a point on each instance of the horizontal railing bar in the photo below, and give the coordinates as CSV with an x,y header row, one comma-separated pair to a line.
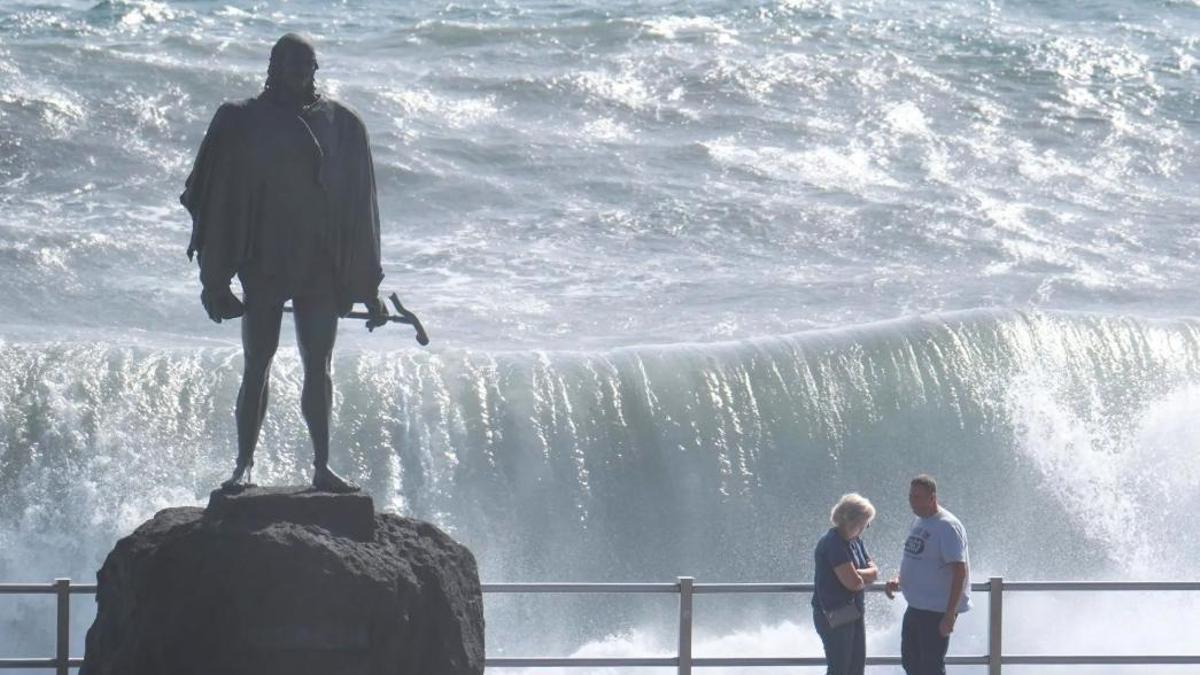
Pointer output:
x,y
568,587
713,662
1164,660
1101,585
712,588
786,588
783,587
6,664
44,589
753,588
704,662
726,662
48,663
26,589
578,662
587,587
567,662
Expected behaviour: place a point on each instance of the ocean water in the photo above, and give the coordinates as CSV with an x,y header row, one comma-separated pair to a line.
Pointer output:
x,y
691,271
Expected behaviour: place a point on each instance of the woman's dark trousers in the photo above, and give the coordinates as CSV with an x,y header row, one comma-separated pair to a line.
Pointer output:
x,y
845,646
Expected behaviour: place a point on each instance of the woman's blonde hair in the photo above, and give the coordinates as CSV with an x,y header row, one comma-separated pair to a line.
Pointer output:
x,y
852,509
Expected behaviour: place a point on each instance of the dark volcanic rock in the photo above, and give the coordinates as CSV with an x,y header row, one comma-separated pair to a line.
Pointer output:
x,y
351,515
286,581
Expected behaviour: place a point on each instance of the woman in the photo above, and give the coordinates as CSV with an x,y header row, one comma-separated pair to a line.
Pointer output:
x,y
843,570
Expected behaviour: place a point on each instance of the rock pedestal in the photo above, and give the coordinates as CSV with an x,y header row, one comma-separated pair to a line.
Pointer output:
x,y
286,580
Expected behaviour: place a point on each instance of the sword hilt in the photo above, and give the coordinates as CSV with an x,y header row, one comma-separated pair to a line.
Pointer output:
x,y
402,315
408,317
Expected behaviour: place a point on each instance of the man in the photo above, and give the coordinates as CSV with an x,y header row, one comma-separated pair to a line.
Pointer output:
x,y
282,194
935,578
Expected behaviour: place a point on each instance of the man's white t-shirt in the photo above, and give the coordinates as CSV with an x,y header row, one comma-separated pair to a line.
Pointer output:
x,y
925,573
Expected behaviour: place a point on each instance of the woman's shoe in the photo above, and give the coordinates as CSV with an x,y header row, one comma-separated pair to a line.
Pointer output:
x,y
240,480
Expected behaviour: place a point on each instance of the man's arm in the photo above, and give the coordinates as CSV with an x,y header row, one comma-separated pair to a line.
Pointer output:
x,y
958,574
891,587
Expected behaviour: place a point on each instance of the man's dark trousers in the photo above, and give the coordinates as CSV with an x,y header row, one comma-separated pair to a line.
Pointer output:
x,y
922,647
845,646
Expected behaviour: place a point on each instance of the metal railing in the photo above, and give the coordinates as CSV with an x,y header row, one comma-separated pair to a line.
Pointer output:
x,y
62,590
687,588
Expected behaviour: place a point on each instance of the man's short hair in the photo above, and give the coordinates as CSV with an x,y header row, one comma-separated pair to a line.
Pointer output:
x,y
852,509
926,481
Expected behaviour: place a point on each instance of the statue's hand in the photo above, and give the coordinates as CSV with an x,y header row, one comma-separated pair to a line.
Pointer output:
x,y
378,312
221,303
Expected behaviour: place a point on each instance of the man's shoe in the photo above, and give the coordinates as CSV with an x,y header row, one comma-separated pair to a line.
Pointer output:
x,y
240,479
325,480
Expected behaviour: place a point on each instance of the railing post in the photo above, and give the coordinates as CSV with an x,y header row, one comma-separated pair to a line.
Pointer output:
x,y
995,623
685,625
62,656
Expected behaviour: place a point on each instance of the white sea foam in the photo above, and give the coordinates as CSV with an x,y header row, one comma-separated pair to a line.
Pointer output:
x,y
683,27
608,130
623,88
906,118
851,169
454,113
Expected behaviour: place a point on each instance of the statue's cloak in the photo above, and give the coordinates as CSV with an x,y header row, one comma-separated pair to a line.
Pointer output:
x,y
284,198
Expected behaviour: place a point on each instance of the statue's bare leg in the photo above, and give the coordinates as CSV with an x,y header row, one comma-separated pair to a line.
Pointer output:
x,y
260,339
316,331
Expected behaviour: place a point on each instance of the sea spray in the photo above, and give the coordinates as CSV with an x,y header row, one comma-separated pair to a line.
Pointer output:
x,y
718,461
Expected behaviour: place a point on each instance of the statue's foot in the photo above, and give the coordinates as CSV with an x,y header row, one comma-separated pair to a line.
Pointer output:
x,y
240,479
325,480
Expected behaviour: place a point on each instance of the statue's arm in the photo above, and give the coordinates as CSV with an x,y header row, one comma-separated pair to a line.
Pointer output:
x,y
217,196
360,255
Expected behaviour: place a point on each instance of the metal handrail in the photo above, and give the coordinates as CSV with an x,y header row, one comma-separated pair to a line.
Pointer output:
x,y
687,588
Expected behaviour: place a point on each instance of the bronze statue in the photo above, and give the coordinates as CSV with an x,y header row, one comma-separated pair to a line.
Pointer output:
x,y
282,194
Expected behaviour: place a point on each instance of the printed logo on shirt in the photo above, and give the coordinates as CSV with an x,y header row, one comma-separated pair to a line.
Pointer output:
x,y
915,545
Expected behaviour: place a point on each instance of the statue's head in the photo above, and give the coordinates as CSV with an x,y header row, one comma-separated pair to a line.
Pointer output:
x,y
293,64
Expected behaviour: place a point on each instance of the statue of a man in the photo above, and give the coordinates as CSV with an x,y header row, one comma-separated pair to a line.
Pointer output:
x,y
282,194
